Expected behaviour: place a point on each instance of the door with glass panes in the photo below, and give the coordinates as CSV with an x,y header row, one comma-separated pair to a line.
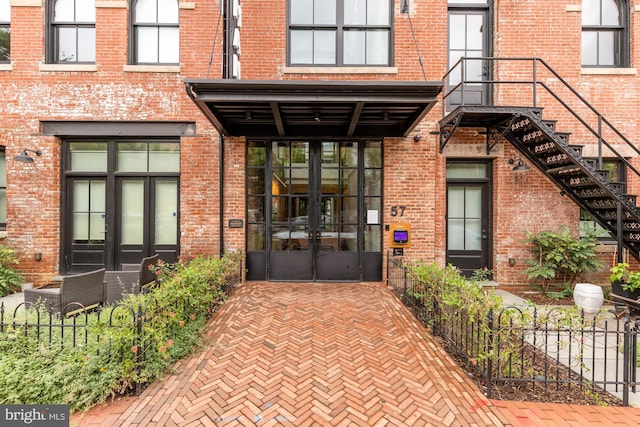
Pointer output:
x,y
121,203
318,210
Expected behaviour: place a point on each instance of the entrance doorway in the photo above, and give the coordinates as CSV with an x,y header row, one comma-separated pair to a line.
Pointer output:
x,y
468,216
312,196
469,36
121,203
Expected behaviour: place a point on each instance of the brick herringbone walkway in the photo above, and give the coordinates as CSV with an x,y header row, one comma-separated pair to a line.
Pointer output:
x,y
324,355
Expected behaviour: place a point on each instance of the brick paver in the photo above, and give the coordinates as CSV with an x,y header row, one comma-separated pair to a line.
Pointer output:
x,y
300,354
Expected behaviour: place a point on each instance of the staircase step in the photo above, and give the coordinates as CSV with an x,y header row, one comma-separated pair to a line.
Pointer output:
x,y
566,170
551,124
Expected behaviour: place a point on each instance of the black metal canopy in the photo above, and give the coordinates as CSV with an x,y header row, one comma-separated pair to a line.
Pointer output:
x,y
289,108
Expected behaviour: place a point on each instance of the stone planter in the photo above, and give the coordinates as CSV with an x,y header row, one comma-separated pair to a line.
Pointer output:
x,y
588,297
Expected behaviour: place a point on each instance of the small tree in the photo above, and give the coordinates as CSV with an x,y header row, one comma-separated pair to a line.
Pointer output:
x,y
10,279
560,257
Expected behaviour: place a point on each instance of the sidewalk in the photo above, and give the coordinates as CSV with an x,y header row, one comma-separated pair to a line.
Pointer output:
x,y
327,355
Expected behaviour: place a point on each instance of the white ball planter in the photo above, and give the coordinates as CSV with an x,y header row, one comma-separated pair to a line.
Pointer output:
x,y
588,297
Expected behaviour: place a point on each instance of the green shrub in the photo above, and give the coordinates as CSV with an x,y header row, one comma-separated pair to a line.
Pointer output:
x,y
10,279
560,257
115,358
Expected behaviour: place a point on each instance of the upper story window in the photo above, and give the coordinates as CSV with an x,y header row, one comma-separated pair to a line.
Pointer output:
x,y
605,33
340,32
5,30
156,33
72,32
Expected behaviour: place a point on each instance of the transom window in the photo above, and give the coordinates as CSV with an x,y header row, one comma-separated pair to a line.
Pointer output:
x,y
5,30
72,31
156,32
340,32
604,33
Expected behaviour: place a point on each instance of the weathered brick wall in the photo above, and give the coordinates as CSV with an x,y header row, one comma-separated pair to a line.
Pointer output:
x,y
109,93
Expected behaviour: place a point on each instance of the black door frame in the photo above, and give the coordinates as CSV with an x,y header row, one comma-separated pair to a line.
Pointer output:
x,y
486,257
316,264
486,10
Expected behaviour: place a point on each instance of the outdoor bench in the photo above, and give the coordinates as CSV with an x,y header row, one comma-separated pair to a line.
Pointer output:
x,y
72,293
132,279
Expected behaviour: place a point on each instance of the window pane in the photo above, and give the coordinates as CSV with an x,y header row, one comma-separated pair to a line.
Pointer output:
x,y
324,12
455,234
147,48
474,32
166,215
606,48
255,213
85,11
473,235
589,48
610,13
170,42
355,12
132,213
168,12
257,154
97,202
354,47
377,47
255,183
348,239
373,155
88,156
5,11
349,210
164,157
63,11
372,182
457,33
86,44
466,170
67,44
145,11
3,169
372,238
255,237
80,227
132,157
5,43
455,202
378,12
301,47
349,155
324,45
3,205
590,12
301,12
473,202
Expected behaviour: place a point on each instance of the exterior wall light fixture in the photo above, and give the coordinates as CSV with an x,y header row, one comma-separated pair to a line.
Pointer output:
x,y
519,165
24,156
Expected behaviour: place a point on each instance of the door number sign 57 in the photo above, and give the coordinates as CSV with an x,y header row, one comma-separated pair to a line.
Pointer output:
x,y
398,210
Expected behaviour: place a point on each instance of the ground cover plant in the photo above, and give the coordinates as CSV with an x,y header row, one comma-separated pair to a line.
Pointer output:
x,y
117,349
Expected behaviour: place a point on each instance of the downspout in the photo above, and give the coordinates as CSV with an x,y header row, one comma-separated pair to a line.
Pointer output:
x,y
221,195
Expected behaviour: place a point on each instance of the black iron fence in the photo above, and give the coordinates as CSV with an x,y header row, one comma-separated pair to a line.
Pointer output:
x,y
79,329
539,348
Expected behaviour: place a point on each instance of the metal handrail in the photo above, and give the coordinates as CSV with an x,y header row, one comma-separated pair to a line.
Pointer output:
x,y
535,82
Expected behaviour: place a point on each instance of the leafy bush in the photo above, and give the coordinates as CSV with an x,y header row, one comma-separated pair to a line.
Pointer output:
x,y
10,279
560,257
115,357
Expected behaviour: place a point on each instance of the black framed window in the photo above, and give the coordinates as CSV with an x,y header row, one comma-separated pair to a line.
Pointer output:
x,y
605,33
5,31
340,32
156,32
72,32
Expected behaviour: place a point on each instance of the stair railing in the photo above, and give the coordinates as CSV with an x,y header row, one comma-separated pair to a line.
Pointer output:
x,y
534,81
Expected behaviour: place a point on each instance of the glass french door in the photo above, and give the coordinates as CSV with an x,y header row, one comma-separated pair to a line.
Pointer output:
x,y
468,216
313,205
469,36
146,218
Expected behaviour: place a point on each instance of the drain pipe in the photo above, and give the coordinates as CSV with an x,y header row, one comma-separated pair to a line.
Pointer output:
x,y
221,195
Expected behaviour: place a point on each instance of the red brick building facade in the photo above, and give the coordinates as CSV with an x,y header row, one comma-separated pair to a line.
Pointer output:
x,y
111,116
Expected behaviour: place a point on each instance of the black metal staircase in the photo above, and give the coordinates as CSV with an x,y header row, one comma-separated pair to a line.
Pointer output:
x,y
549,149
